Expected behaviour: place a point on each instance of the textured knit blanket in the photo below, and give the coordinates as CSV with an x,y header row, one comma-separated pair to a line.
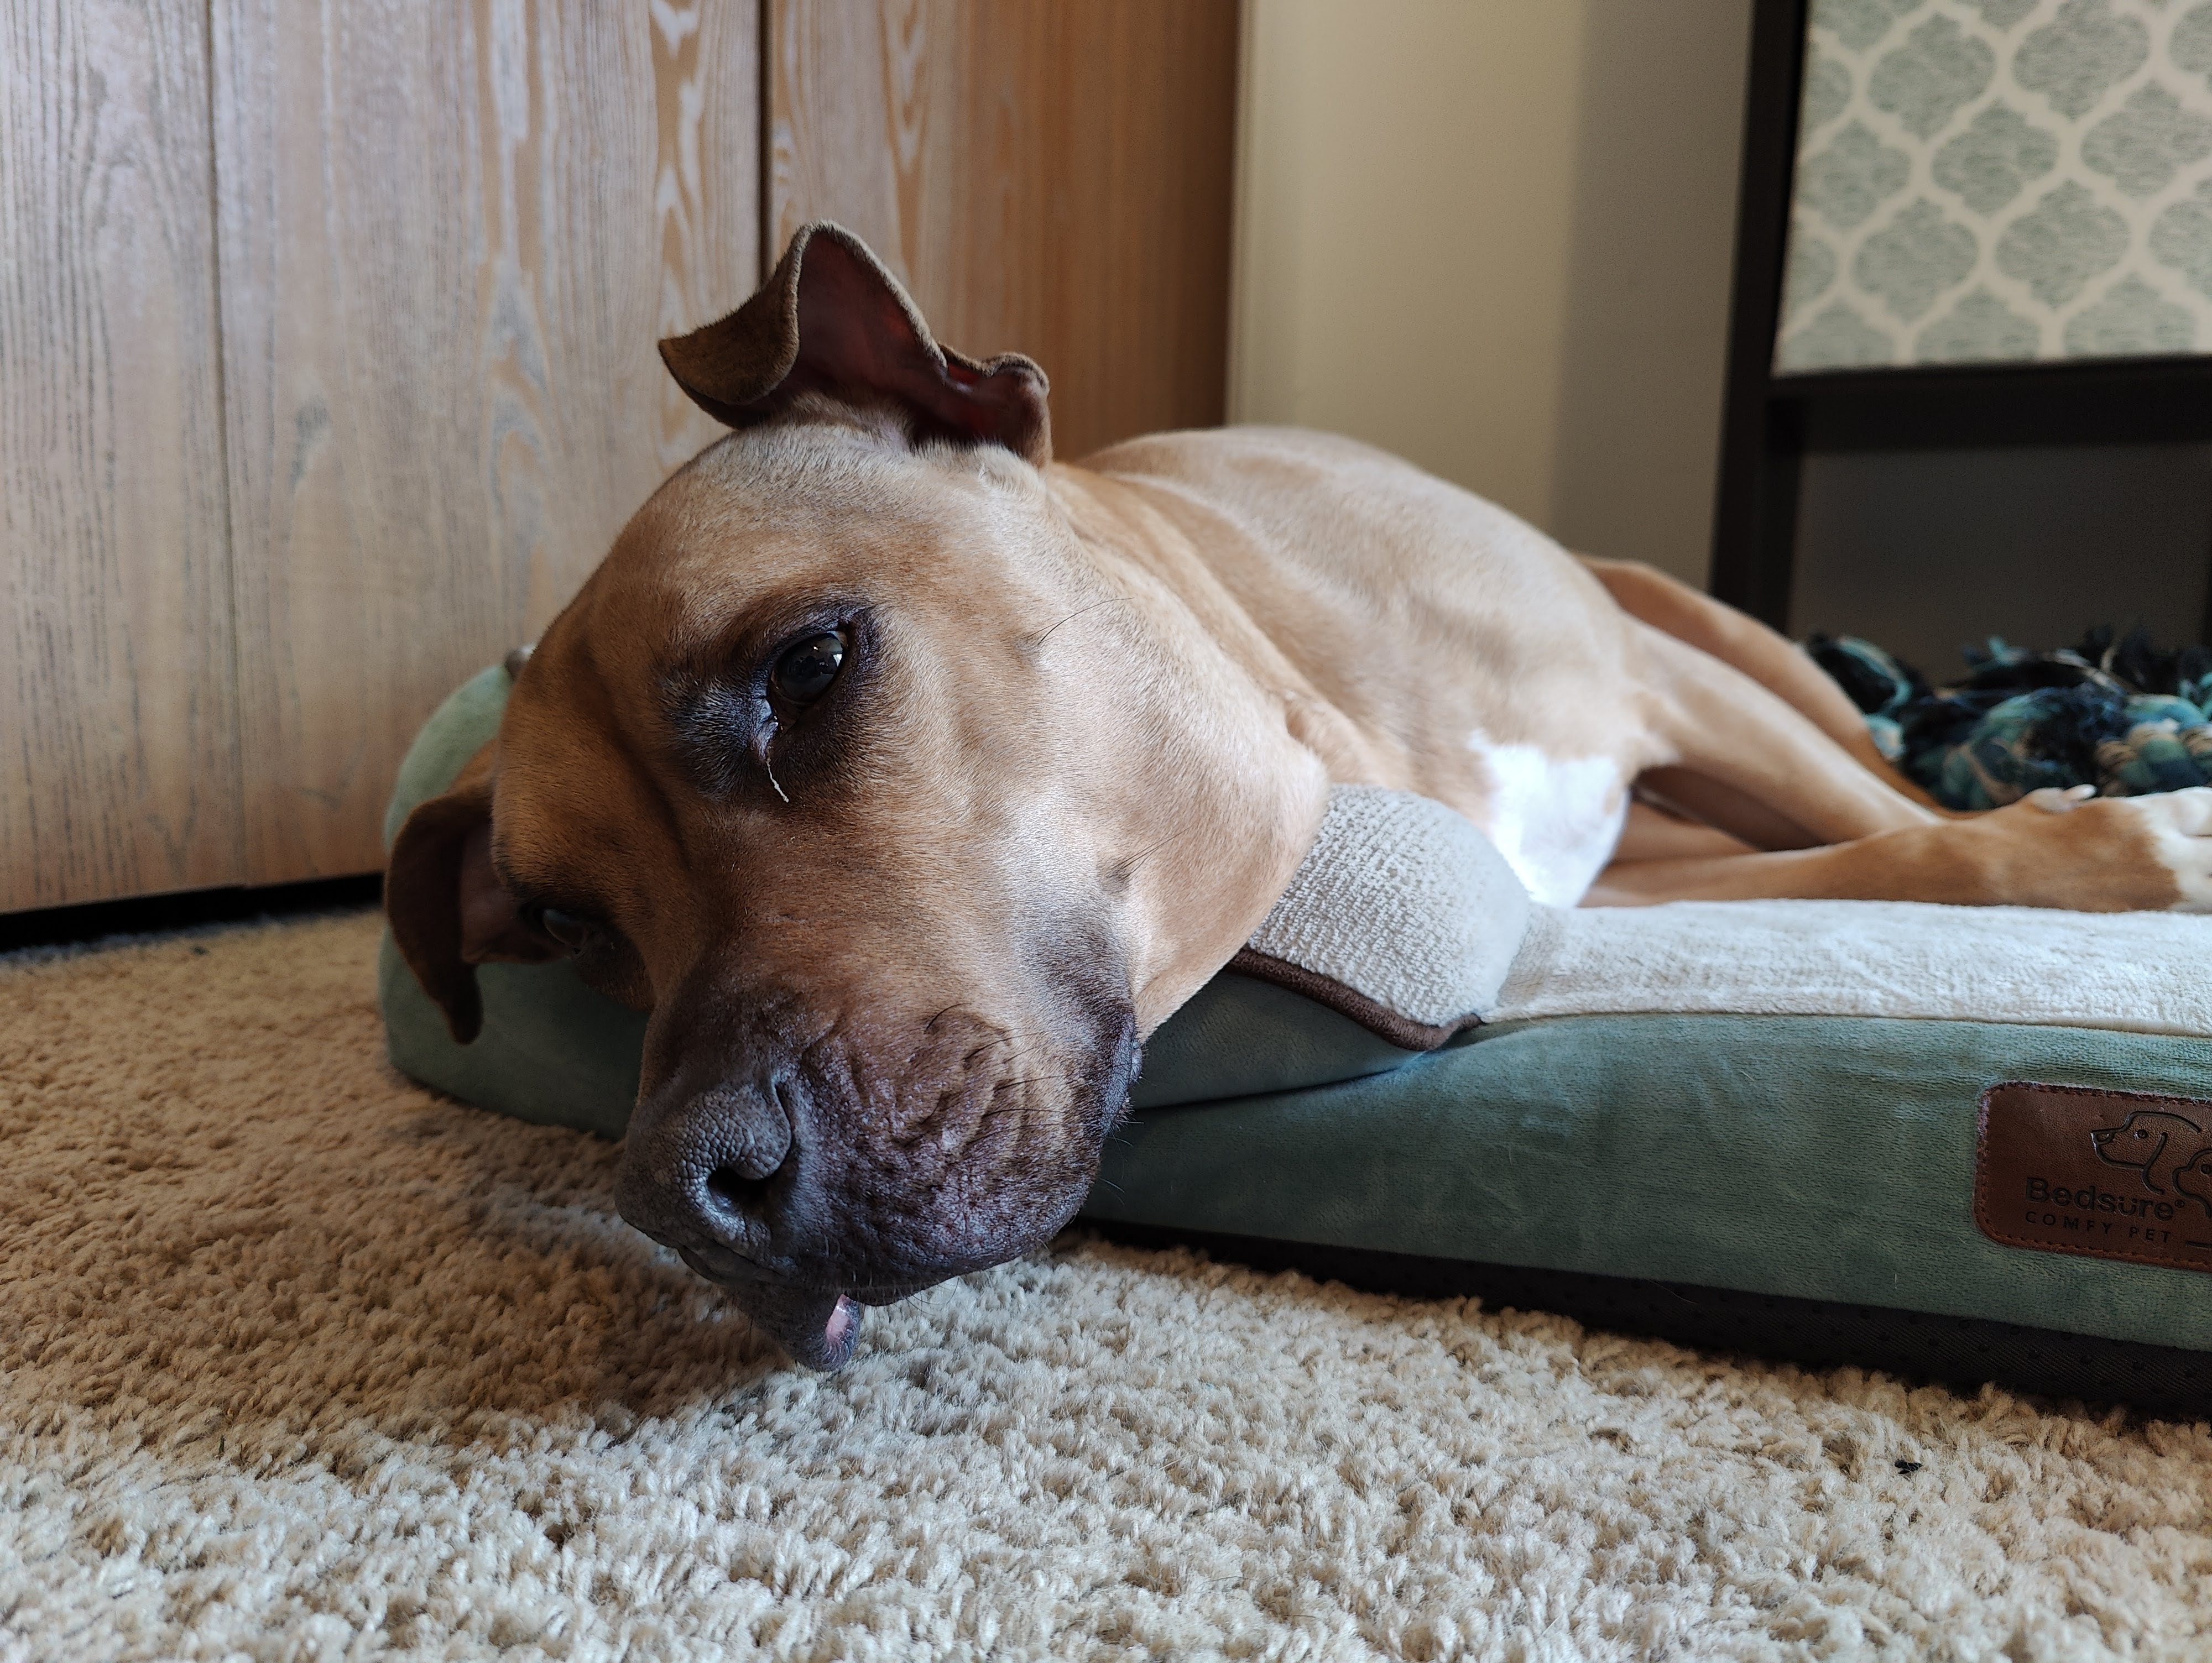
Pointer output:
x,y
2113,712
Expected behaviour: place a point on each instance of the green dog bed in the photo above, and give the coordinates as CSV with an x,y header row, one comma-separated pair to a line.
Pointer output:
x,y
1905,1136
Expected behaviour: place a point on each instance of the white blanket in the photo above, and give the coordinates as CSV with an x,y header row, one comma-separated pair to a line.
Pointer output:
x,y
2147,973
1405,903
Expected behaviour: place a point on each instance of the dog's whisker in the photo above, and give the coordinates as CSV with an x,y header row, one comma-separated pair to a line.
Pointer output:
x,y
1037,644
1143,855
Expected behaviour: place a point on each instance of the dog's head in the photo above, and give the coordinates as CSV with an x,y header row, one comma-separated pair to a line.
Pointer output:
x,y
2193,1178
885,772
2139,1140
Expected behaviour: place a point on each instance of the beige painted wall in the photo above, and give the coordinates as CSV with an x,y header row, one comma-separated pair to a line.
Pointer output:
x,y
1495,236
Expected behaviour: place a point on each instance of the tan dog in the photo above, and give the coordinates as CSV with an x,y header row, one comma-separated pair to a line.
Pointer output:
x,y
911,778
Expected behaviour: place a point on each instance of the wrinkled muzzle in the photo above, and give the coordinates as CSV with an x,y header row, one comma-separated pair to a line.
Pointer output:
x,y
810,1176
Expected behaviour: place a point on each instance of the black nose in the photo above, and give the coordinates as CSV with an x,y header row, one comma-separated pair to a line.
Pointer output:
x,y
705,1170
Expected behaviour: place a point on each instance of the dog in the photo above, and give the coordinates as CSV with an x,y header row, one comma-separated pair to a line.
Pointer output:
x,y
911,778
2157,1145
2193,1178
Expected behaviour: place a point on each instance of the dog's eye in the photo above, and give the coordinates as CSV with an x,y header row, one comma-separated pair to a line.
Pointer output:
x,y
563,929
804,671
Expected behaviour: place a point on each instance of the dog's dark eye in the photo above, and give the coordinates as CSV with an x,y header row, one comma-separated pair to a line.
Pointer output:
x,y
804,671
564,929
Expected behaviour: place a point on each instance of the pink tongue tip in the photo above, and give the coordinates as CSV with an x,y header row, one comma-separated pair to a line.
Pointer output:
x,y
842,1315
814,1331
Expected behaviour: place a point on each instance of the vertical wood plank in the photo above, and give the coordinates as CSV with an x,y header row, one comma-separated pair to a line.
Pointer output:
x,y
118,759
1054,180
451,236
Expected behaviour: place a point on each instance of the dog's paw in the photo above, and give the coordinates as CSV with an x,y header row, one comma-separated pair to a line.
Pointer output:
x,y
2179,825
2055,799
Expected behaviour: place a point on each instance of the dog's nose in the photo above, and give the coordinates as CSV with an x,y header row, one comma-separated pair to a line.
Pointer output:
x,y
703,1170
743,1138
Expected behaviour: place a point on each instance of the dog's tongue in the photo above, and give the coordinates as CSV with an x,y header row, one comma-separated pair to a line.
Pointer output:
x,y
818,1330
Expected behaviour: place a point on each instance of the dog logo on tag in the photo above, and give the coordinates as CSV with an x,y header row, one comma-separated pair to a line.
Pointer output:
x,y
2045,1159
2167,1150
2195,1180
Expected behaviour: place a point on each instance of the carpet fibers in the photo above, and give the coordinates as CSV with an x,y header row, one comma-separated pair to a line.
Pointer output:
x,y
300,1361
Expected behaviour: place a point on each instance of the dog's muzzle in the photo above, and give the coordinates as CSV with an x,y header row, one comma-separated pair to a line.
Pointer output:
x,y
720,1176
768,1181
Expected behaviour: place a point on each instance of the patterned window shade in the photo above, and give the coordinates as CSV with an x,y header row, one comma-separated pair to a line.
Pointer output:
x,y
1986,181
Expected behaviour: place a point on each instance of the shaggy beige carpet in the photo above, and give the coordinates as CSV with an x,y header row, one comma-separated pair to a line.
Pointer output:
x,y
297,1360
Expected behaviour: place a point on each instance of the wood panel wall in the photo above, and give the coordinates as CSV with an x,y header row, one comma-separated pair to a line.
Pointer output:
x,y
327,332
451,236
118,771
1053,179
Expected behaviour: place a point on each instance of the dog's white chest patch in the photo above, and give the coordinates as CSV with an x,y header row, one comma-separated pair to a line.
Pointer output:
x,y
1556,822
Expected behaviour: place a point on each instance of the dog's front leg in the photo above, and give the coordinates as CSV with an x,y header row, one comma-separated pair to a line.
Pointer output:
x,y
2051,849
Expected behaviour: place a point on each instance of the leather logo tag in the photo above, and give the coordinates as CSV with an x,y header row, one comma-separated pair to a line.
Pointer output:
x,y
2114,1174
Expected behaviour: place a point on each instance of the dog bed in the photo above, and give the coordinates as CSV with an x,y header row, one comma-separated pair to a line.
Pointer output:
x,y
1904,1135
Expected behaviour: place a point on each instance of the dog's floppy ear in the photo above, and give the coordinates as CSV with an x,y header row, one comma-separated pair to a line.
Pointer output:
x,y
831,319
448,911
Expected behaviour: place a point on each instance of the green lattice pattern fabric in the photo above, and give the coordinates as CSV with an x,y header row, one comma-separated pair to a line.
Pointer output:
x,y
1982,181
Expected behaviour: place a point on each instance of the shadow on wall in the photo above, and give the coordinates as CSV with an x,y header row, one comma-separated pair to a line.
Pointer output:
x,y
1925,551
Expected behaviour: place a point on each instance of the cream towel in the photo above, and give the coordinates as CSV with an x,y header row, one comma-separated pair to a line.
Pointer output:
x,y
2145,973
1405,903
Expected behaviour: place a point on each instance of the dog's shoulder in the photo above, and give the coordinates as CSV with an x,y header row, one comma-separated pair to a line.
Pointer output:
x,y
1228,453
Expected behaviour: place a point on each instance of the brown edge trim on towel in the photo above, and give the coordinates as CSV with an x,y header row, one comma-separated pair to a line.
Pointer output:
x,y
1379,1019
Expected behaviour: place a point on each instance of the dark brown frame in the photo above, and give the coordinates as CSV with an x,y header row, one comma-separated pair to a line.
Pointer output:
x,y
1771,423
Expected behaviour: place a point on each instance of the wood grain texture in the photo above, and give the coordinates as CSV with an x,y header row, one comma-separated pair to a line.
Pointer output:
x,y
451,236
118,765
1048,179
